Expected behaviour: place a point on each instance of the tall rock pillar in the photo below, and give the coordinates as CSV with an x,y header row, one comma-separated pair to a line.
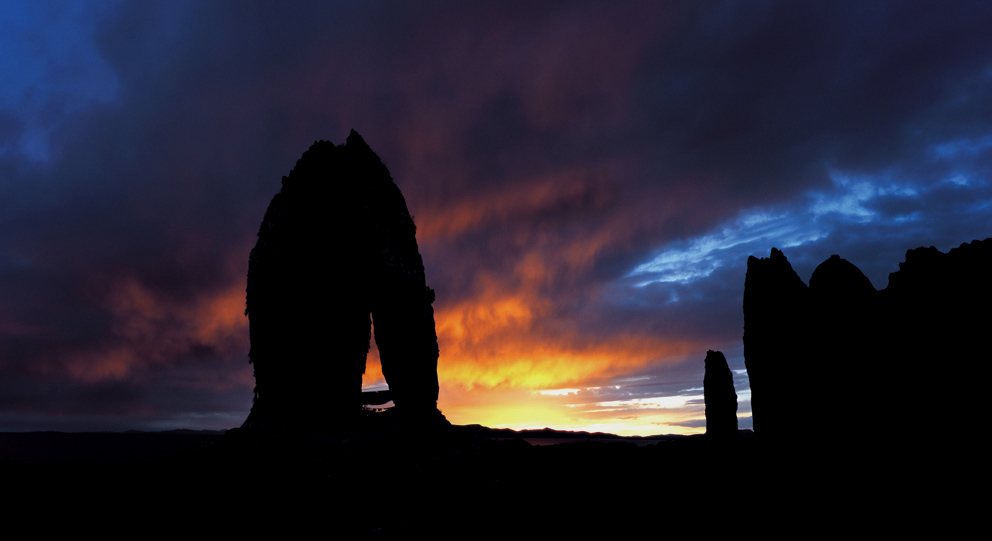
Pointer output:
x,y
336,251
775,315
720,397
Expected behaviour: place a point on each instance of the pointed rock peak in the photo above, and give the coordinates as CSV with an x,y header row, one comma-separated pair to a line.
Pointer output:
x,y
355,141
775,256
775,268
777,259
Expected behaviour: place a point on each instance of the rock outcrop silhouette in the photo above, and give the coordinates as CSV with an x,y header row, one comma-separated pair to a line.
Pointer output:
x,y
844,338
936,316
841,355
776,307
720,397
336,252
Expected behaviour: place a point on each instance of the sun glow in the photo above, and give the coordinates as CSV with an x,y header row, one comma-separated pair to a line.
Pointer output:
x,y
499,367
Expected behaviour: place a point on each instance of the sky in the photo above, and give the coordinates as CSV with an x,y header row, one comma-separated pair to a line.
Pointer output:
x,y
587,180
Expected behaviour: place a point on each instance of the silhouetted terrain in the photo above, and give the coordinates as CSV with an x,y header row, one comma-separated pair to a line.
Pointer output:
x,y
841,355
876,394
829,455
838,446
384,481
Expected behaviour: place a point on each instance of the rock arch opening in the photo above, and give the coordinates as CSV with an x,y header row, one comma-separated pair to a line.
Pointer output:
x,y
336,251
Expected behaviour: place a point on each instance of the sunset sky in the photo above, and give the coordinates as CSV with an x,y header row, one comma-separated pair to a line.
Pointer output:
x,y
587,179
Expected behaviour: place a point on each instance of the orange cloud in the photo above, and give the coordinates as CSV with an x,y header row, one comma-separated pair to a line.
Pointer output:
x,y
505,204
498,350
512,334
110,364
154,329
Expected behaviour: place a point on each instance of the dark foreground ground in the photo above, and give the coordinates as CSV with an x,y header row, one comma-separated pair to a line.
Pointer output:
x,y
461,482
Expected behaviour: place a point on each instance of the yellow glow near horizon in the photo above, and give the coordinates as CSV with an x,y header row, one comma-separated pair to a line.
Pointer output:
x,y
505,362
498,369
521,409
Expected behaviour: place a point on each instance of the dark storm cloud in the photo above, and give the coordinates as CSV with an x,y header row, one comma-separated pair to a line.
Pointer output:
x,y
770,91
546,151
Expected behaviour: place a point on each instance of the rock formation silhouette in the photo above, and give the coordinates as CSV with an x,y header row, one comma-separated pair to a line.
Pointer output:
x,y
775,312
936,317
841,355
844,337
720,397
337,251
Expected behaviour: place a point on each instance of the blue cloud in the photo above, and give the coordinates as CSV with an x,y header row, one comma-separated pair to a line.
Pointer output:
x,y
853,207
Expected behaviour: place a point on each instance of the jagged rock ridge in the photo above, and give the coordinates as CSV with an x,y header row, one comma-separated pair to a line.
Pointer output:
x,y
839,354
